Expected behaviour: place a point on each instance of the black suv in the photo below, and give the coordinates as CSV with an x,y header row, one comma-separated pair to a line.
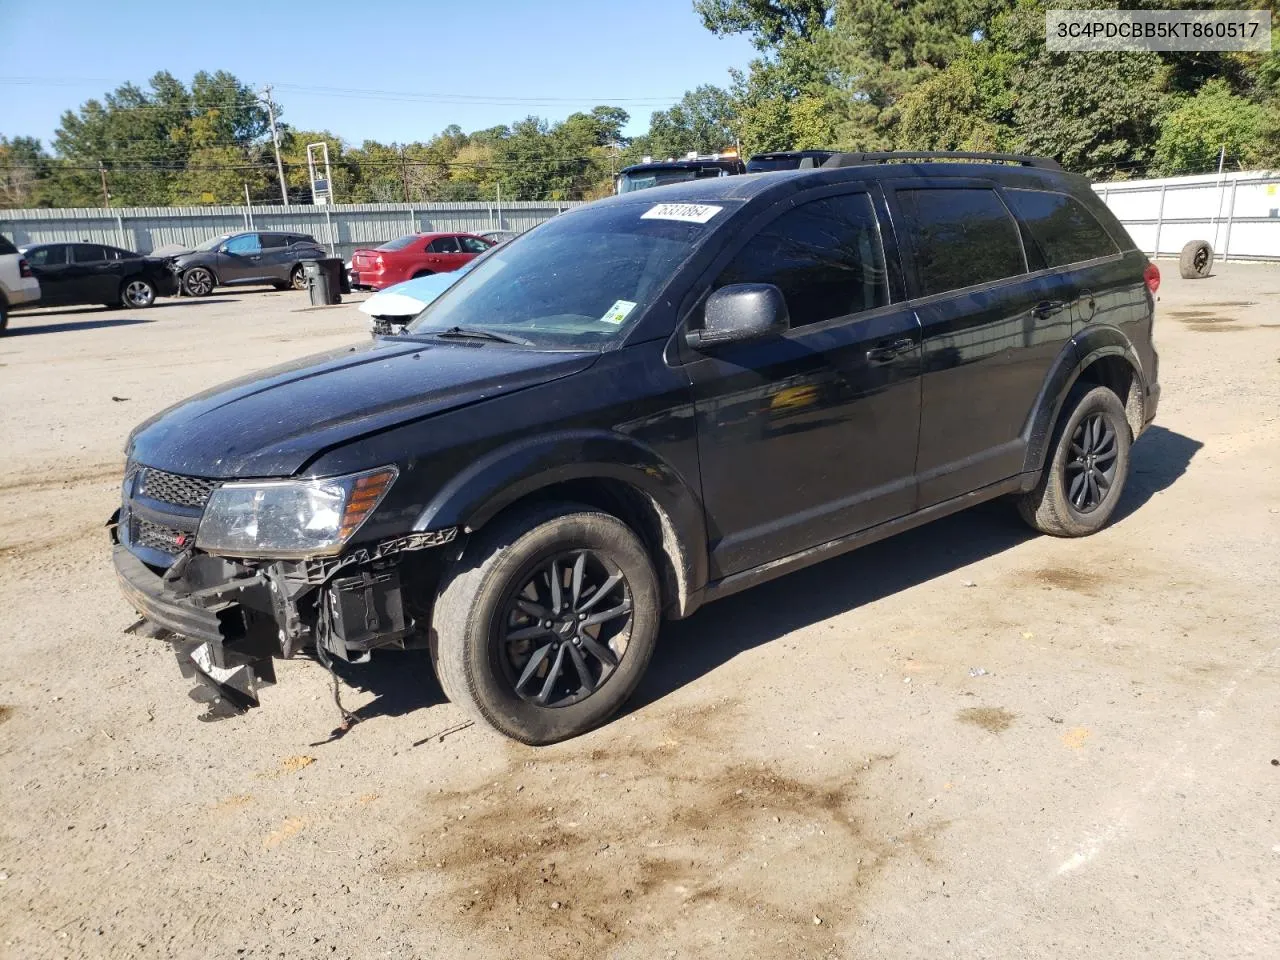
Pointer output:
x,y
246,258
640,406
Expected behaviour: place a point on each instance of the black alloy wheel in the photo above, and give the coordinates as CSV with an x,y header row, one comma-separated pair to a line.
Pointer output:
x,y
197,282
565,629
1091,464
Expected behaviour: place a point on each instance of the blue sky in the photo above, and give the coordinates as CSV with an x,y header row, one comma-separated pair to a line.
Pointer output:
x,y
493,62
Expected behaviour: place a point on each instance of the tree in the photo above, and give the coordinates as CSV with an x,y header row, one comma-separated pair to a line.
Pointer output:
x,y
24,172
702,122
769,22
1193,133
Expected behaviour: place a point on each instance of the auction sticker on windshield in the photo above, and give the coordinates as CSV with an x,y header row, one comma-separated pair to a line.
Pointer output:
x,y
688,212
618,312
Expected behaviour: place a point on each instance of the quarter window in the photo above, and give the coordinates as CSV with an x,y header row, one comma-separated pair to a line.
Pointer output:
x,y
825,257
1063,228
961,237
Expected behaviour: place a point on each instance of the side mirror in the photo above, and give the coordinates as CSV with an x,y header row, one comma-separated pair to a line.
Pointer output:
x,y
739,313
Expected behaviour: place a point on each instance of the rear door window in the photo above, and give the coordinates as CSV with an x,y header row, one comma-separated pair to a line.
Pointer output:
x,y
825,256
1064,230
87,253
960,236
271,240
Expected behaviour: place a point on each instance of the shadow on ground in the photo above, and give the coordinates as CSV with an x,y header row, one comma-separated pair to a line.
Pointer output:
x,y
404,681
71,325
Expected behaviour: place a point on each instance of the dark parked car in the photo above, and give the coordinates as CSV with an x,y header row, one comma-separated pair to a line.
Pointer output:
x,y
788,160
643,405
76,273
661,173
255,257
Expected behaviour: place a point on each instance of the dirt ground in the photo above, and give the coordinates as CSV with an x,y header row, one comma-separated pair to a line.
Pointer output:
x,y
965,742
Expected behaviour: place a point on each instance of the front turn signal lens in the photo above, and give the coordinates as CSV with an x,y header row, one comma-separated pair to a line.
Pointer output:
x,y
366,494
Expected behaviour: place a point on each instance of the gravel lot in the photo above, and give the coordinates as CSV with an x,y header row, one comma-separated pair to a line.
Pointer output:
x,y
965,742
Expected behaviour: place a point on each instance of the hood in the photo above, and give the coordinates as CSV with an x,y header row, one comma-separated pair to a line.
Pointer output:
x,y
171,250
272,423
408,298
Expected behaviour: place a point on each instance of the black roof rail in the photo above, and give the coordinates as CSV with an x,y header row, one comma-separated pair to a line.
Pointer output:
x,y
859,159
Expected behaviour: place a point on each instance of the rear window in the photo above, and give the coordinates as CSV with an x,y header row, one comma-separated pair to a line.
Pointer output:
x,y
6,246
961,237
1064,230
273,240
399,243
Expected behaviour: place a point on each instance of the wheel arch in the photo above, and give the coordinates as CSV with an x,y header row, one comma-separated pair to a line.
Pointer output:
x,y
615,474
1100,355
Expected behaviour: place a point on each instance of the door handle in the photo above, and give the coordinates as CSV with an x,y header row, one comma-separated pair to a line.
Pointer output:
x,y
890,351
1047,308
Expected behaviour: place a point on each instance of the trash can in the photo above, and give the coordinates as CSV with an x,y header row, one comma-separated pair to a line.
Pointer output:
x,y
324,279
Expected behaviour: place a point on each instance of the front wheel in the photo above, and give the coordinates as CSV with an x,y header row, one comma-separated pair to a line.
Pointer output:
x,y
1089,463
298,278
137,293
546,624
197,282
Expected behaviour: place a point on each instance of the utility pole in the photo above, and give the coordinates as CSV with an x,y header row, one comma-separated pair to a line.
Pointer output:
x,y
404,174
275,142
106,194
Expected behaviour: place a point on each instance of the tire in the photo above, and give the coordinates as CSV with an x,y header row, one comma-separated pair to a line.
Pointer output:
x,y
485,642
137,293
1196,260
198,282
298,278
1063,503
4,316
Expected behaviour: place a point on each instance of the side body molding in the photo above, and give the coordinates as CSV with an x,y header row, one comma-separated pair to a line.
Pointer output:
x,y
1089,345
500,478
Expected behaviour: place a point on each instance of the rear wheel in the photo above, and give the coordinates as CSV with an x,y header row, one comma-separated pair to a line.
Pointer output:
x,y
1087,469
298,278
545,625
137,293
198,282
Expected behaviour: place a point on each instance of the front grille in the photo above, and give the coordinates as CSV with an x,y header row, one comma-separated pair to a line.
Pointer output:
x,y
176,489
155,536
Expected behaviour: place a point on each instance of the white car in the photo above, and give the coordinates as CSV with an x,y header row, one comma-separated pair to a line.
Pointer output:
x,y
401,302
17,283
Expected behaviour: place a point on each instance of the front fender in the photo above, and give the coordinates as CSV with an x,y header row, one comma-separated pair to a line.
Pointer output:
x,y
1089,345
515,471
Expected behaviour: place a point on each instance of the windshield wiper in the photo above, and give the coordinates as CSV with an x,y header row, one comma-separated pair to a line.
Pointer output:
x,y
470,333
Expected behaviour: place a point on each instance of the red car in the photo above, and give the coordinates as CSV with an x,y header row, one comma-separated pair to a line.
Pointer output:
x,y
415,255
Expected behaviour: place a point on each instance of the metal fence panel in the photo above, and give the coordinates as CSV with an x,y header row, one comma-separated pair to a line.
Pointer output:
x,y
342,227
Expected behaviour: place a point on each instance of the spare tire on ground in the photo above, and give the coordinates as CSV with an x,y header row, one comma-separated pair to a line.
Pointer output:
x,y
1196,260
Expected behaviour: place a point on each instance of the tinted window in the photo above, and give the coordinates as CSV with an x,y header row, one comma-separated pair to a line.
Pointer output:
x,y
960,237
115,253
399,243
825,256
87,253
444,245
246,243
1064,229
6,247
301,239
47,256
273,240
473,245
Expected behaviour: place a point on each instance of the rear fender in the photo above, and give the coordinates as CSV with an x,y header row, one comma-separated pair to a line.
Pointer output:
x,y
1086,347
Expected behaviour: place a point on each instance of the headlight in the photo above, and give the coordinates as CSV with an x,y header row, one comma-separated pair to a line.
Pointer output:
x,y
290,518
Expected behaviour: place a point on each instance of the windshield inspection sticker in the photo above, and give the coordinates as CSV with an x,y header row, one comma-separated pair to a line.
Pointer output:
x,y
618,312
688,212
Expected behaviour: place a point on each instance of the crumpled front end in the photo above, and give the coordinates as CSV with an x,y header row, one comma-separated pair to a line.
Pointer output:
x,y
229,618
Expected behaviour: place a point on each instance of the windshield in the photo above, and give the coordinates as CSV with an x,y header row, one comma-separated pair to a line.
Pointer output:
x,y
644,179
400,243
578,281
213,244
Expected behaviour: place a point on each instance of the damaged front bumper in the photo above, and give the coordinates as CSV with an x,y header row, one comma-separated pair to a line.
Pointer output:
x,y
229,619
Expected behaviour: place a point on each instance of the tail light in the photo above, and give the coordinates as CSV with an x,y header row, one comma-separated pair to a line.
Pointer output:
x,y
24,268
379,261
1151,277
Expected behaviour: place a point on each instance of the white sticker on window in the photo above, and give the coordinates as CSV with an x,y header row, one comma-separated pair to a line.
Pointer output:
x,y
618,312
688,212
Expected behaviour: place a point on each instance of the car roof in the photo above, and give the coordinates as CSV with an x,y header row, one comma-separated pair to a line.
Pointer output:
x,y
749,186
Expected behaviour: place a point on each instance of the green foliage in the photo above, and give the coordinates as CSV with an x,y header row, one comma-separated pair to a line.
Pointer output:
x,y
703,121
1198,128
